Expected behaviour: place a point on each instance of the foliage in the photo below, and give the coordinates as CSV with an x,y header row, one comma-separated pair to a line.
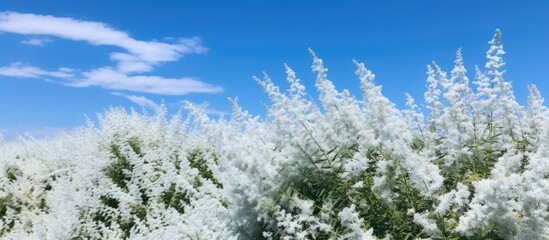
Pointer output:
x,y
474,167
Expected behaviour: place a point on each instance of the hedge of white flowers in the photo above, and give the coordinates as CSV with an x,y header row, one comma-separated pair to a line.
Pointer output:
x,y
476,166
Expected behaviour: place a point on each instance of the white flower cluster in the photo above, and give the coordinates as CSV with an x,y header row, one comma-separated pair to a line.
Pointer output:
x,y
474,167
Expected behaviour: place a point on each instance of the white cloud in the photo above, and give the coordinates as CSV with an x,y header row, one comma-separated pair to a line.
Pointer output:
x,y
39,42
130,63
139,100
141,56
110,79
21,70
36,132
142,53
43,132
206,107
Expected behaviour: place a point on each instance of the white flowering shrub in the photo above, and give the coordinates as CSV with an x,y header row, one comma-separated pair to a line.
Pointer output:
x,y
474,166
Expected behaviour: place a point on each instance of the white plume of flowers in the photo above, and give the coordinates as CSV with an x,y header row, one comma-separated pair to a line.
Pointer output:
x,y
456,117
536,116
474,166
393,136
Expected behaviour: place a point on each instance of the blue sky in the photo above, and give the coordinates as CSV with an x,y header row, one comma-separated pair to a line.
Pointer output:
x,y
62,60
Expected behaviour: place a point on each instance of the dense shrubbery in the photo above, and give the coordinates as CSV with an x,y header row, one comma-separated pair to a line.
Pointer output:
x,y
475,168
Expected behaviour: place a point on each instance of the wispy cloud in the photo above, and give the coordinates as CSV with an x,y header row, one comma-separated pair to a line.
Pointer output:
x,y
144,54
109,79
37,132
207,108
139,56
21,70
43,132
139,100
38,42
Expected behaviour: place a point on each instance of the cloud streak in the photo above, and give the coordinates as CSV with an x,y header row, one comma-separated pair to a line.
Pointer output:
x,y
207,108
144,54
138,58
109,79
38,42
139,100
21,70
